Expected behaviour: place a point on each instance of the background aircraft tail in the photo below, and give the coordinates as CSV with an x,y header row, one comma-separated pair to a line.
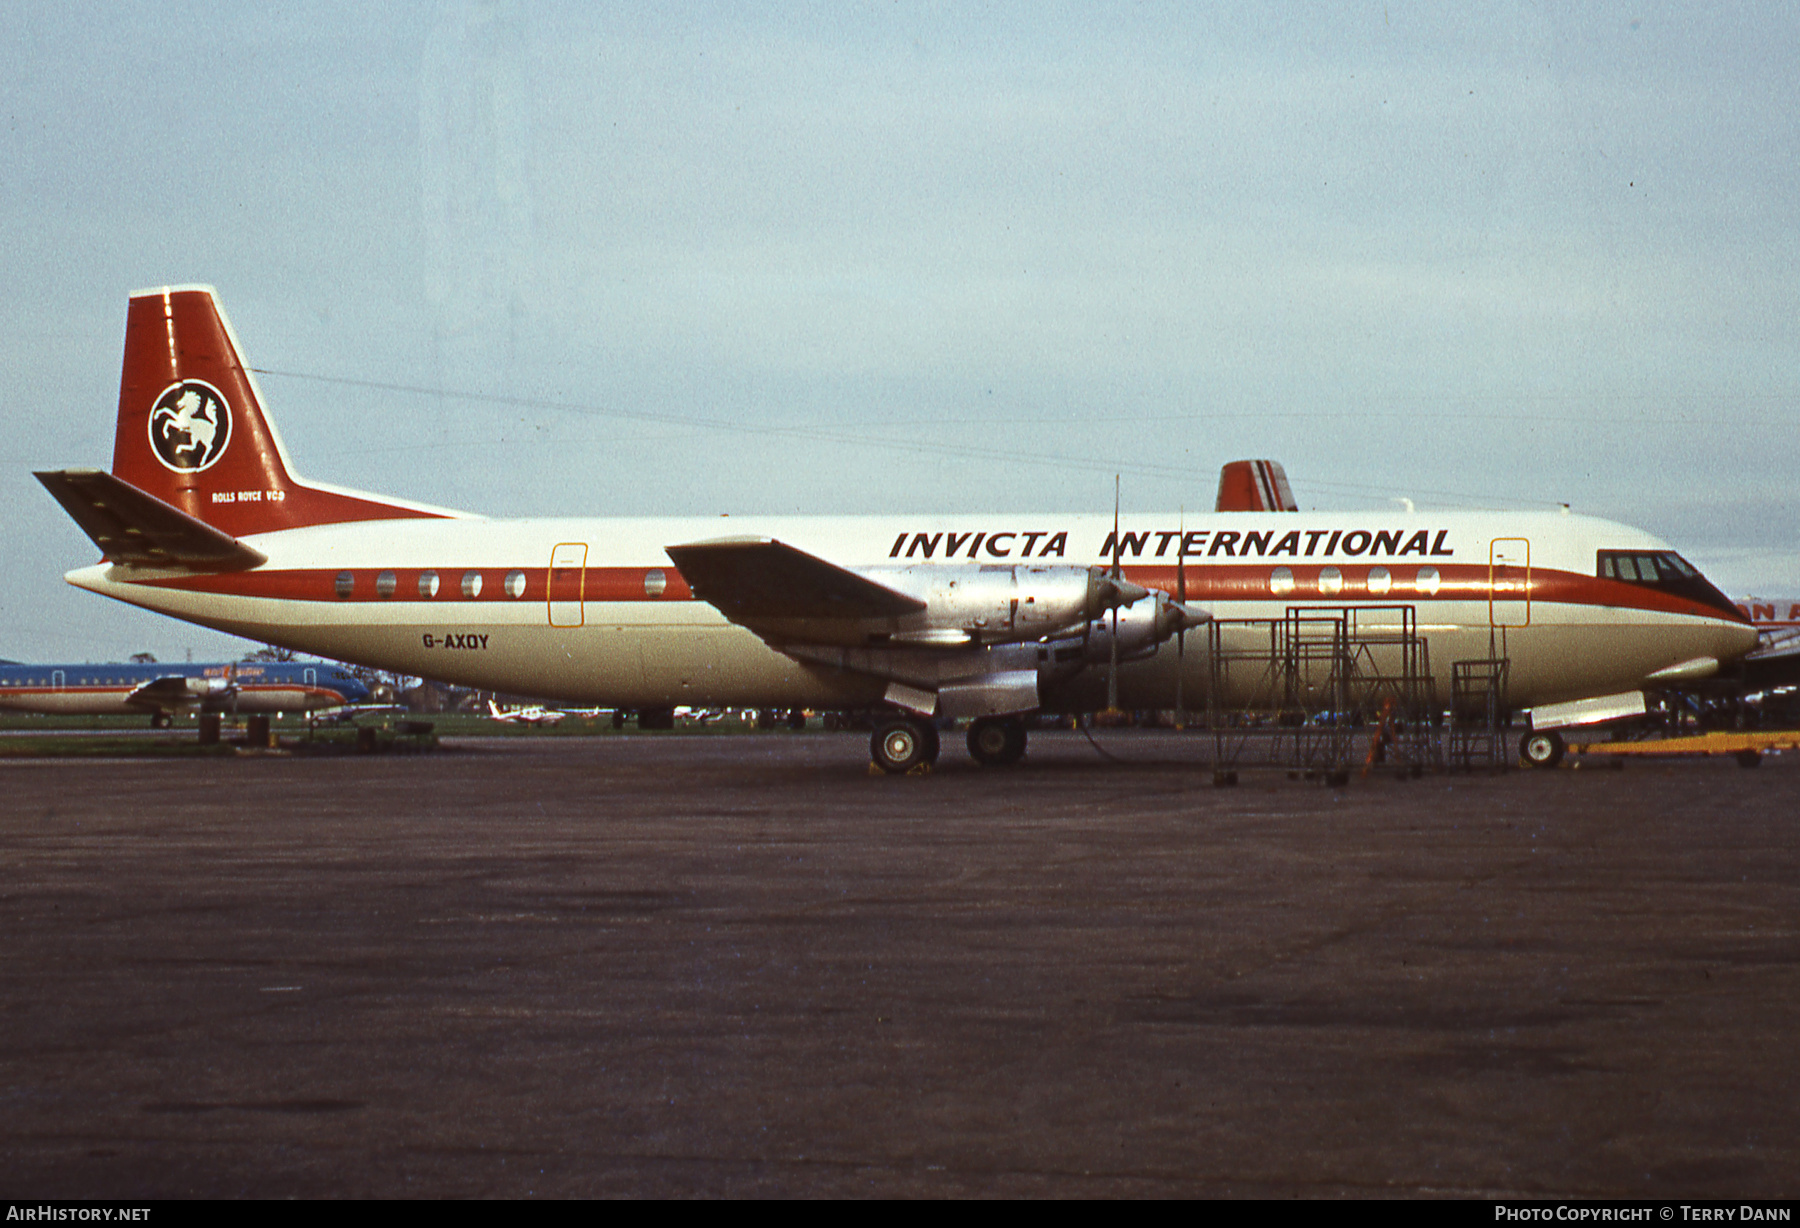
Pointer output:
x,y
192,430
1255,486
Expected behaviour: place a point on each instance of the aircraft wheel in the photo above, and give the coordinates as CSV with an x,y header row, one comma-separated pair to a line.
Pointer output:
x,y
1749,758
901,745
996,741
1542,750
161,720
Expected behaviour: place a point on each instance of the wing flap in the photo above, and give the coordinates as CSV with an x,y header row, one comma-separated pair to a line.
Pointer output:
x,y
130,526
750,578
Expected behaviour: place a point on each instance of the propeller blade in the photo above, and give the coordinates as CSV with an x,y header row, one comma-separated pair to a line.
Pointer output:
x,y
1182,626
1118,583
1118,546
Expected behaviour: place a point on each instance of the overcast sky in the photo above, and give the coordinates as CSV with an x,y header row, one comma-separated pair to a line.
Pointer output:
x,y
919,257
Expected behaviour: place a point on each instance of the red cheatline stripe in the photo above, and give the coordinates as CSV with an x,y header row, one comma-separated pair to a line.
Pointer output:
x,y
1208,582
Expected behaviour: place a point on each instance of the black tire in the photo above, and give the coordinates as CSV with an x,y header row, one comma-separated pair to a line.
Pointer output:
x,y
161,720
1749,758
796,719
1543,749
899,746
995,741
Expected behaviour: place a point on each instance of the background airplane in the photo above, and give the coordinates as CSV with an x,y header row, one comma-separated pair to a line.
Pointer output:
x,y
1775,661
536,714
166,691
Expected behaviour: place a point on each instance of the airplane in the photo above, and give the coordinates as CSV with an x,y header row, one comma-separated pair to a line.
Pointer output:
x,y
535,714
926,617
1776,658
165,691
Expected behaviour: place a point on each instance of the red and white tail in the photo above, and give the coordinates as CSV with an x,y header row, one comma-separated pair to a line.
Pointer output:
x,y
192,430
1255,486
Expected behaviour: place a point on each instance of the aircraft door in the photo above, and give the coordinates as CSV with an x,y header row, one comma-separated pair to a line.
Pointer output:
x,y
1509,582
56,679
568,583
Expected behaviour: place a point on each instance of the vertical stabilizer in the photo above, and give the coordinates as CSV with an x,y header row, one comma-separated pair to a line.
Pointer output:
x,y
193,433
1255,486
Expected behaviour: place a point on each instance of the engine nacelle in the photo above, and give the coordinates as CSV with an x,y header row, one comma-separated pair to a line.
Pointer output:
x,y
211,688
1142,627
998,604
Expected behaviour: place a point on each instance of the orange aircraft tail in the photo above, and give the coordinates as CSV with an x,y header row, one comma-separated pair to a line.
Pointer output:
x,y
1255,486
192,431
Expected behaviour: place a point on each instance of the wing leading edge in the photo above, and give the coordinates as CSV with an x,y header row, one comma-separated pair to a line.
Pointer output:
x,y
752,578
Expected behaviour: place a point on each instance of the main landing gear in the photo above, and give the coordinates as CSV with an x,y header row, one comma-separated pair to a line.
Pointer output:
x,y
1543,749
903,743
900,745
995,741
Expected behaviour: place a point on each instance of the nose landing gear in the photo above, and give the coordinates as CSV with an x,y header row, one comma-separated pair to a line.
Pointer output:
x,y
1543,749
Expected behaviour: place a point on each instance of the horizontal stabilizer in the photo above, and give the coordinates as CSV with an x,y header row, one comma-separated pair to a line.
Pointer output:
x,y
758,577
130,526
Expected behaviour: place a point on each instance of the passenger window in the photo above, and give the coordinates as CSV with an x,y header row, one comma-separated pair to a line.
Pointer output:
x,y
346,584
1379,580
655,583
385,584
515,584
428,584
471,584
1428,581
1331,580
1281,581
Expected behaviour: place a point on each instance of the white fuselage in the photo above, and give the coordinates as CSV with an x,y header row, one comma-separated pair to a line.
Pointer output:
x,y
592,611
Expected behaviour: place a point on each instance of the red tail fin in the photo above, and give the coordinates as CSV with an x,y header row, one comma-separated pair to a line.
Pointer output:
x,y
1255,486
193,433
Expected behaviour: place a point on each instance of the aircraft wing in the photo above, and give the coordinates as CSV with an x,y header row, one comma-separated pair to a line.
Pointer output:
x,y
750,578
130,526
346,714
178,691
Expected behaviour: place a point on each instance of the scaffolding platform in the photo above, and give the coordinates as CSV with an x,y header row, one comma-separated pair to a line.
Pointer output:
x,y
1323,689
1479,737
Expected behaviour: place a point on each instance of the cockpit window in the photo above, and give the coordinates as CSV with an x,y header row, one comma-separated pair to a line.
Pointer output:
x,y
1661,569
